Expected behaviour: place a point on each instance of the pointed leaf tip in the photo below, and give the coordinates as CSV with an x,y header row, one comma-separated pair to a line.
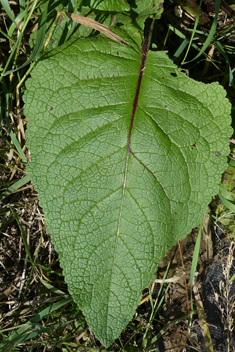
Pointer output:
x,y
112,214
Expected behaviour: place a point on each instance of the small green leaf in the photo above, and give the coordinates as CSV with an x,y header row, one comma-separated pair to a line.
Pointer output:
x,y
124,166
147,8
110,5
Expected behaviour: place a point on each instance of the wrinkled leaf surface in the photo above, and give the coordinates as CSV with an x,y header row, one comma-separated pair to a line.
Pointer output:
x,y
113,212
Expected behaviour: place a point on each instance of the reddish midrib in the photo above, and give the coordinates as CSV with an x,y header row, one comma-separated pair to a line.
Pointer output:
x,y
145,49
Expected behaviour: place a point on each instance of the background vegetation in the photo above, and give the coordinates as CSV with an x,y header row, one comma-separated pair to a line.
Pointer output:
x,y
36,311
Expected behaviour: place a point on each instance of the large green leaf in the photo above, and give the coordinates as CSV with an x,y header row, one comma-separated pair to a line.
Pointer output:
x,y
119,187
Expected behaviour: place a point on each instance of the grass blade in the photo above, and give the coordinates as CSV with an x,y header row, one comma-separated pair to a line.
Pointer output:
x,y
23,234
227,203
194,30
212,31
225,193
16,337
180,49
231,162
195,256
39,41
7,8
17,43
166,327
15,186
12,135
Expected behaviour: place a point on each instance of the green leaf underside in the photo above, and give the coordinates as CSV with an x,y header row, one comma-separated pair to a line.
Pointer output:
x,y
112,228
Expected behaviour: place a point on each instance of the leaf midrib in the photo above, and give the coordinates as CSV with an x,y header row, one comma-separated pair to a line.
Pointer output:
x,y
145,50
